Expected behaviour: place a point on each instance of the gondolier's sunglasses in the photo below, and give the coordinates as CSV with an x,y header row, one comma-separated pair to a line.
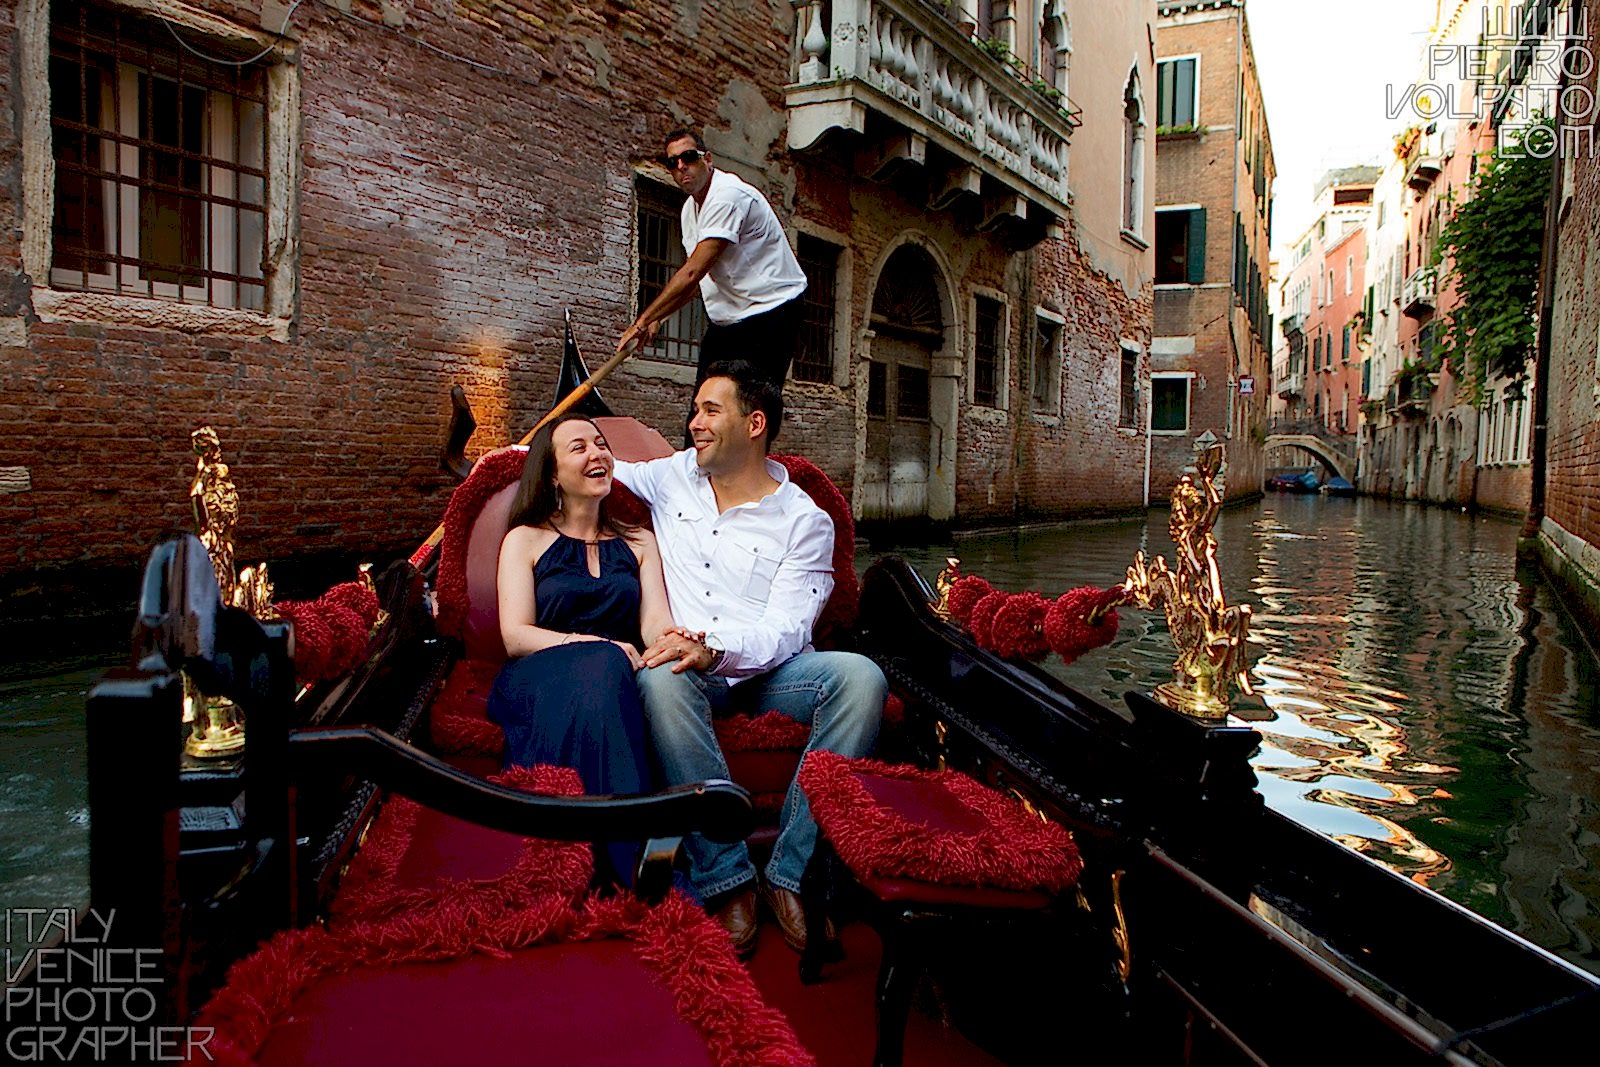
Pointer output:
x,y
688,158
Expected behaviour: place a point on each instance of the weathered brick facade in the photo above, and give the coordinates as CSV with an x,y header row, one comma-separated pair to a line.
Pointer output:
x,y
1569,536
1204,327
465,173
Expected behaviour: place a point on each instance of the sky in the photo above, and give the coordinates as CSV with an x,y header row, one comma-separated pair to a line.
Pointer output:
x,y
1325,70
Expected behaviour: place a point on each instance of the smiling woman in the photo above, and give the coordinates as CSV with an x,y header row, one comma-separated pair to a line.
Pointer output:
x,y
578,592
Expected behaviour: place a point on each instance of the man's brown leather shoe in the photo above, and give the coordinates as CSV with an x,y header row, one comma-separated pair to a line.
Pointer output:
x,y
737,915
786,908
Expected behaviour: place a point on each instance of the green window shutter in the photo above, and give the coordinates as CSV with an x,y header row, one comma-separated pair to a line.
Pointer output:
x,y
1197,246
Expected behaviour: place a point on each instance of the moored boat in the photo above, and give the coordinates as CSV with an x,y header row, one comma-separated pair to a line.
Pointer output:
x,y
1204,929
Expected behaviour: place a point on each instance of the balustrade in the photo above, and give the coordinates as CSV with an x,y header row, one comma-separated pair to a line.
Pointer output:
x,y
910,61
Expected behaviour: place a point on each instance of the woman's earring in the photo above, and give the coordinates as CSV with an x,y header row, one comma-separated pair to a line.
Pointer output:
x,y
561,502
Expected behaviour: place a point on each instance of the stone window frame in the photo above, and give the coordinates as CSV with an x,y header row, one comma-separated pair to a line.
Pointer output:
x,y
1002,367
1052,407
843,296
1125,349
1194,93
1135,120
281,242
1187,377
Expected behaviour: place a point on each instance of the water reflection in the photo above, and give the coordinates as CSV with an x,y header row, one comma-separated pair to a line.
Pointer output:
x,y
1420,699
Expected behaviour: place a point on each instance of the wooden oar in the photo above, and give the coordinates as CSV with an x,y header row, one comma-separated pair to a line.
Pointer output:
x,y
566,404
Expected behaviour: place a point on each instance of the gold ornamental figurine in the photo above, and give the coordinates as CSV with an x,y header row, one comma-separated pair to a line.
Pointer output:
x,y
217,724
942,584
1210,634
215,503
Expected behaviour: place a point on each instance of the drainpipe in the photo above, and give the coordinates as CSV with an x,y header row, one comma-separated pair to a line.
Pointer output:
x,y
1537,460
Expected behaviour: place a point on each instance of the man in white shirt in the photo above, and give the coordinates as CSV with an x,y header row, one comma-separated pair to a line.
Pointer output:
x,y
739,261
748,563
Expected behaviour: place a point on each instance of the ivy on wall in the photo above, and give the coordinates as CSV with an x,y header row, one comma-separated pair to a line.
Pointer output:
x,y
1492,243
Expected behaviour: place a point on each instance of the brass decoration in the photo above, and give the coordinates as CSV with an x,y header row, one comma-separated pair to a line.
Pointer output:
x,y
1119,929
1209,634
364,576
940,732
253,592
215,502
217,725
942,585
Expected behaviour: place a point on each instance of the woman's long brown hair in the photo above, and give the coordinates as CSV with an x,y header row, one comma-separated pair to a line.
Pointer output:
x,y
536,500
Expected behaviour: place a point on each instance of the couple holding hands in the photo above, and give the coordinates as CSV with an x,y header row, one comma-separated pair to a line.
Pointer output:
x,y
626,643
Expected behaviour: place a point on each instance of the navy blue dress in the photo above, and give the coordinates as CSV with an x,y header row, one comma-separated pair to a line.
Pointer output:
x,y
577,705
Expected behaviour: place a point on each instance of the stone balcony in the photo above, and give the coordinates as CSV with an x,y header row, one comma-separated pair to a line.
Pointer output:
x,y
920,92
1419,292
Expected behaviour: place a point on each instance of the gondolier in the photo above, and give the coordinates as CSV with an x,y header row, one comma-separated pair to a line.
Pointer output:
x,y
741,262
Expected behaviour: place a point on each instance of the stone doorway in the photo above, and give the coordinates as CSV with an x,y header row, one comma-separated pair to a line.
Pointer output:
x,y
898,464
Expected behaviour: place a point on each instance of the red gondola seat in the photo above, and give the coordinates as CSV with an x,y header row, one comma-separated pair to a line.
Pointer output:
x,y
934,848
451,943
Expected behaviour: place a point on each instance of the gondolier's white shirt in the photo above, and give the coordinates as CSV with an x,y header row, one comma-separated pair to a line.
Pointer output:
x,y
754,577
758,270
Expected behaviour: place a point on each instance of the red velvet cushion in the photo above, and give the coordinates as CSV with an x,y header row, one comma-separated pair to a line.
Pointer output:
x,y
561,1004
414,858
941,827
541,984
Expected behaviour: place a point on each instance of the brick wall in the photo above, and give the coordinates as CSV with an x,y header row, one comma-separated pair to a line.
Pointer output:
x,y
448,214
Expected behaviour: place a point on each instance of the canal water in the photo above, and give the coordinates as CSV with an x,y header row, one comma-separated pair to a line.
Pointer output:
x,y
1421,697
1422,700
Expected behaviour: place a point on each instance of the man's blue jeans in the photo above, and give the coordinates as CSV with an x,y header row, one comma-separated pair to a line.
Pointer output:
x,y
839,694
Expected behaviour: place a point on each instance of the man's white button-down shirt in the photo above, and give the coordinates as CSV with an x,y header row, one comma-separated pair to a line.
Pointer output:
x,y
754,577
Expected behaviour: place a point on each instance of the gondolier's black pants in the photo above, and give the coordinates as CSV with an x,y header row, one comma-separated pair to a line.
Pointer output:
x,y
766,341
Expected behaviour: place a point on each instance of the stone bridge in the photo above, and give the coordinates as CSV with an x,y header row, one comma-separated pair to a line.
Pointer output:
x,y
1336,451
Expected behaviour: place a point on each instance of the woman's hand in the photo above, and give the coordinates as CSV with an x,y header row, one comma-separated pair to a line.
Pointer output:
x,y
635,660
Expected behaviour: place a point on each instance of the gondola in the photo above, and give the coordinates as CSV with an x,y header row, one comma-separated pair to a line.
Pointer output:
x,y
1205,928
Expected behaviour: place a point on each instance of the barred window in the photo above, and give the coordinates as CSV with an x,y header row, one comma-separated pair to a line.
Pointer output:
x,y
660,256
161,182
987,319
814,355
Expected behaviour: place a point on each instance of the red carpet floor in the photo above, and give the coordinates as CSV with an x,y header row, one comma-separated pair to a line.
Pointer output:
x,y
837,1019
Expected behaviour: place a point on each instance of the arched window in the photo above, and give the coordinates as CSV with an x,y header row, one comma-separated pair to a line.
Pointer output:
x,y
1133,126
1055,45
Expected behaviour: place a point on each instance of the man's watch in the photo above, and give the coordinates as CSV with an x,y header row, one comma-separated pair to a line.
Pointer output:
x,y
718,653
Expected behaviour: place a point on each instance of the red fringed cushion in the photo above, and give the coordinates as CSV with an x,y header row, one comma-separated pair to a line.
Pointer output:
x,y
893,821
413,858
492,474
772,731
839,613
676,942
330,632
458,723
965,594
